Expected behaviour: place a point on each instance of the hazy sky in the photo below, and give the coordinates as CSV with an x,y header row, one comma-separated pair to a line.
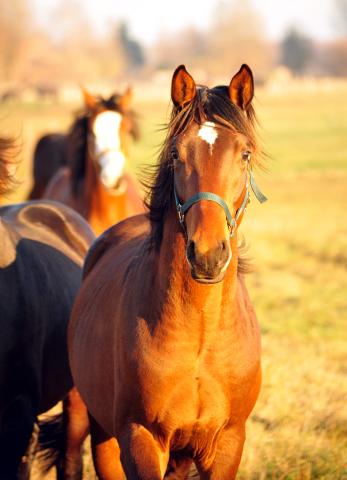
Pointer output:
x,y
148,18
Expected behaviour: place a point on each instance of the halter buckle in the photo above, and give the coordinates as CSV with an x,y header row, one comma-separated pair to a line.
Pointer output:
x,y
180,214
232,227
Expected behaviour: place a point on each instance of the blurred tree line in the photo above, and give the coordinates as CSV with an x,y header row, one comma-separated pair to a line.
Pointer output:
x,y
71,51
237,35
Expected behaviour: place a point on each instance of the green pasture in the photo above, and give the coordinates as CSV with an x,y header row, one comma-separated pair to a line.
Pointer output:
x,y
298,241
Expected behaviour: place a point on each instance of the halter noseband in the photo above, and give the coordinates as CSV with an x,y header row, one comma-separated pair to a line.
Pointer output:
x,y
232,222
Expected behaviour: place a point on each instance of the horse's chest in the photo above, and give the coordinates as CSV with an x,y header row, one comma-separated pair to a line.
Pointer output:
x,y
186,389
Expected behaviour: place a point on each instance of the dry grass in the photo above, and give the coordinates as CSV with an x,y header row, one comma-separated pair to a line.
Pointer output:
x,y
298,430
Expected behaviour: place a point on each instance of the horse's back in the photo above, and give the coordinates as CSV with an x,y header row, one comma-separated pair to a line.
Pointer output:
x,y
51,223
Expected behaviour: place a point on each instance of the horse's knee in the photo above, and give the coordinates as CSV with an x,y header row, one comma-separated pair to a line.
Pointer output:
x,y
75,418
75,430
16,429
141,456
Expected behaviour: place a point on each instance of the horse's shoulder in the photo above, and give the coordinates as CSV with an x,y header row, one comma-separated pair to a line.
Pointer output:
x,y
123,231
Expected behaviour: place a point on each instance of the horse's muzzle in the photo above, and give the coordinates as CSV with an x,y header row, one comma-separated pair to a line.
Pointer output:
x,y
210,266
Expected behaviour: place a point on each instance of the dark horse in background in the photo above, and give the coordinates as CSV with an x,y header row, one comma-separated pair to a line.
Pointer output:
x,y
50,155
42,247
164,342
94,181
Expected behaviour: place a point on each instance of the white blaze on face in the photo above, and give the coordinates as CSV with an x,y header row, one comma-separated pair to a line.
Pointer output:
x,y
208,133
107,145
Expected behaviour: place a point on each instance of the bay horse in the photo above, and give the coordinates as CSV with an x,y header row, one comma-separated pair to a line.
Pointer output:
x,y
94,182
42,248
163,340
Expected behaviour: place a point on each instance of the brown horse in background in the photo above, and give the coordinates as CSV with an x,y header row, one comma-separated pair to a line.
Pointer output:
x,y
42,247
104,194
164,343
94,182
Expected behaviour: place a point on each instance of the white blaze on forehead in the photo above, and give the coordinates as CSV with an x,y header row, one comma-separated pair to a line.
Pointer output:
x,y
106,130
208,133
107,146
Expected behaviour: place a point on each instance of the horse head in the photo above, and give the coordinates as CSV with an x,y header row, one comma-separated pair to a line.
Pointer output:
x,y
211,153
110,127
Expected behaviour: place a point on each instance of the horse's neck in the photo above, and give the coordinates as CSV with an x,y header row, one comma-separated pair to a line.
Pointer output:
x,y
184,292
91,179
92,191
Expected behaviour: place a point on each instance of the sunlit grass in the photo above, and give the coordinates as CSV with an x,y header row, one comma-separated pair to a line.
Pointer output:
x,y
298,429
298,241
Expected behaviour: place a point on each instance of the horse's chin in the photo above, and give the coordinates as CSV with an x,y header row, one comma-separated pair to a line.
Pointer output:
x,y
208,280
117,188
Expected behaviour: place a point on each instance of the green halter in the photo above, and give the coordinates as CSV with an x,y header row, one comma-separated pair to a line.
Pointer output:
x,y
232,222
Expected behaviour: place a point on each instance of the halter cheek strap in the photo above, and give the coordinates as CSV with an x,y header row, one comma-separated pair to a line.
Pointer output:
x,y
260,196
232,222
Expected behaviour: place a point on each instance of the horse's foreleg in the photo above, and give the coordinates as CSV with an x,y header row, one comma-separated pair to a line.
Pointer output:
x,y
75,430
16,428
227,458
106,453
28,458
141,455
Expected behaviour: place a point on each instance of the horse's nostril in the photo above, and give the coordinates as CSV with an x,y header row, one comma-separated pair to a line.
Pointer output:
x,y
209,262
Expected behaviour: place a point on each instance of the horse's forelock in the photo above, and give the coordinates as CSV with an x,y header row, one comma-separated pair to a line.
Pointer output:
x,y
113,104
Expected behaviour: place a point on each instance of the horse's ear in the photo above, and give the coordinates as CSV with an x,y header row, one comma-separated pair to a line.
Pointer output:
x,y
126,100
241,87
89,99
183,88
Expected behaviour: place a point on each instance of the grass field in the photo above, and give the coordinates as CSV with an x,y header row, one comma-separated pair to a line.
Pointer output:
x,y
298,430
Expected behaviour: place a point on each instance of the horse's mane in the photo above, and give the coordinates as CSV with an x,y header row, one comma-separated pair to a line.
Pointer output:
x,y
78,137
7,181
212,105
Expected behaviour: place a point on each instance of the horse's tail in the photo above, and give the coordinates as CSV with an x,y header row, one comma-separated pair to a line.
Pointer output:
x,y
50,441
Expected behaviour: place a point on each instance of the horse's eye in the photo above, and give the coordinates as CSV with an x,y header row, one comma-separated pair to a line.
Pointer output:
x,y
246,156
175,155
